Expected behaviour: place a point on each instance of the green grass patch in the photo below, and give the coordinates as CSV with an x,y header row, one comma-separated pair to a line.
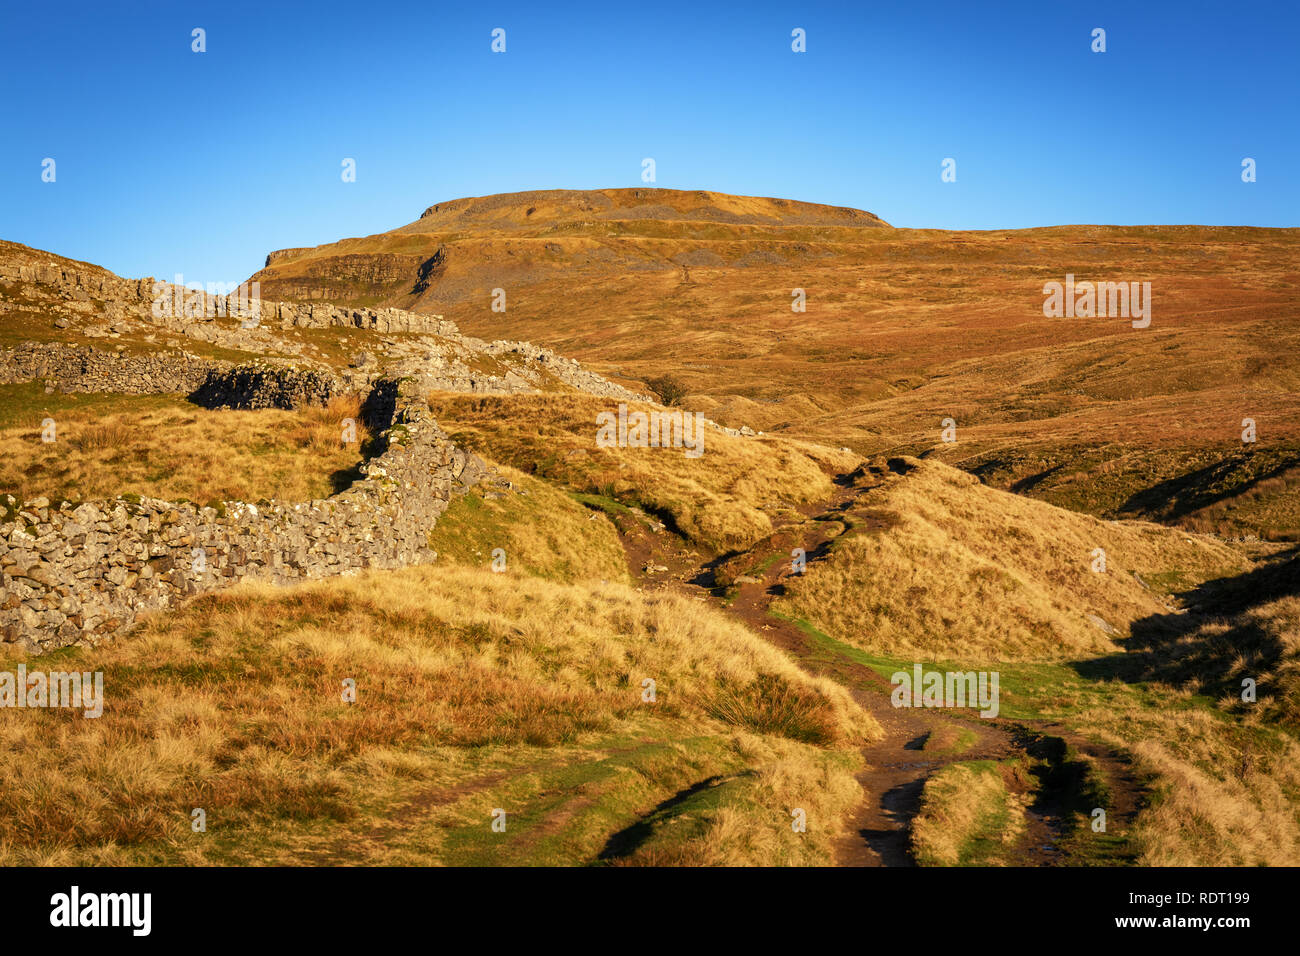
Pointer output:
x,y
949,741
968,817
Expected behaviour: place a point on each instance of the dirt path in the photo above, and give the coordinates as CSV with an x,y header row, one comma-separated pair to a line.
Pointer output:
x,y
898,765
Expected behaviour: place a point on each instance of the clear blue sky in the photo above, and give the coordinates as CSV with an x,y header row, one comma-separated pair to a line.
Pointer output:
x,y
173,161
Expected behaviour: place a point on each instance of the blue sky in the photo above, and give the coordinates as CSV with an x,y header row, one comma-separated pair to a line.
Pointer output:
x,y
200,163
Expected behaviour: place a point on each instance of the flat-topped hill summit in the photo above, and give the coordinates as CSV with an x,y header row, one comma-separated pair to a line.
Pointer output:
x,y
533,237
527,210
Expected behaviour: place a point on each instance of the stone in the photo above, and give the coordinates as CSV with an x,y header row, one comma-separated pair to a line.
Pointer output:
x,y
38,573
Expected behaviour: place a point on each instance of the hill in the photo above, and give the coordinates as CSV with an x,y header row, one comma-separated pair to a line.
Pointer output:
x,y
903,328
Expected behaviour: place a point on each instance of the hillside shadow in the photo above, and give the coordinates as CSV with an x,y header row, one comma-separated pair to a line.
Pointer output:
x,y
1177,497
1173,648
1026,484
628,840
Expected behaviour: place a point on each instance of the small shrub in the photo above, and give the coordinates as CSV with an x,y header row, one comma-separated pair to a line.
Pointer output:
x,y
771,705
670,391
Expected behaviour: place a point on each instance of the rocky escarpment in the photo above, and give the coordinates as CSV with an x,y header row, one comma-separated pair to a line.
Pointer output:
x,y
349,277
80,573
74,298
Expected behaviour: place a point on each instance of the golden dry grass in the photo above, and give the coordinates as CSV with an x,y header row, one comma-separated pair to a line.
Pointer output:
x,y
966,571
474,690
726,498
173,450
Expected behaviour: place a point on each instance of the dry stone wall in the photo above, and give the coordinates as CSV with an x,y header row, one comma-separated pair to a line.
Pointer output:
x,y
77,573
80,573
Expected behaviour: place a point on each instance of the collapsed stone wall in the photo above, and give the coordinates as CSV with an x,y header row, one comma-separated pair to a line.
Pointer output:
x,y
77,574
567,370
83,368
207,382
256,385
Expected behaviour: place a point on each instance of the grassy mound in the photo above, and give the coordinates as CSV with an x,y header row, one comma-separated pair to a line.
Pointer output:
x,y
543,532
967,571
725,498
967,817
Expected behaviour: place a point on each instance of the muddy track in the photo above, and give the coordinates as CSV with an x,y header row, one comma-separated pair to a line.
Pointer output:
x,y
896,766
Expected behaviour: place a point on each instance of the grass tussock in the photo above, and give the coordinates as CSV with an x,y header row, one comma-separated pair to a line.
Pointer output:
x,y
474,690
771,705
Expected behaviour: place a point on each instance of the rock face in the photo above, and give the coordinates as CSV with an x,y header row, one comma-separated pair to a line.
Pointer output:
x,y
75,277
80,574
174,307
